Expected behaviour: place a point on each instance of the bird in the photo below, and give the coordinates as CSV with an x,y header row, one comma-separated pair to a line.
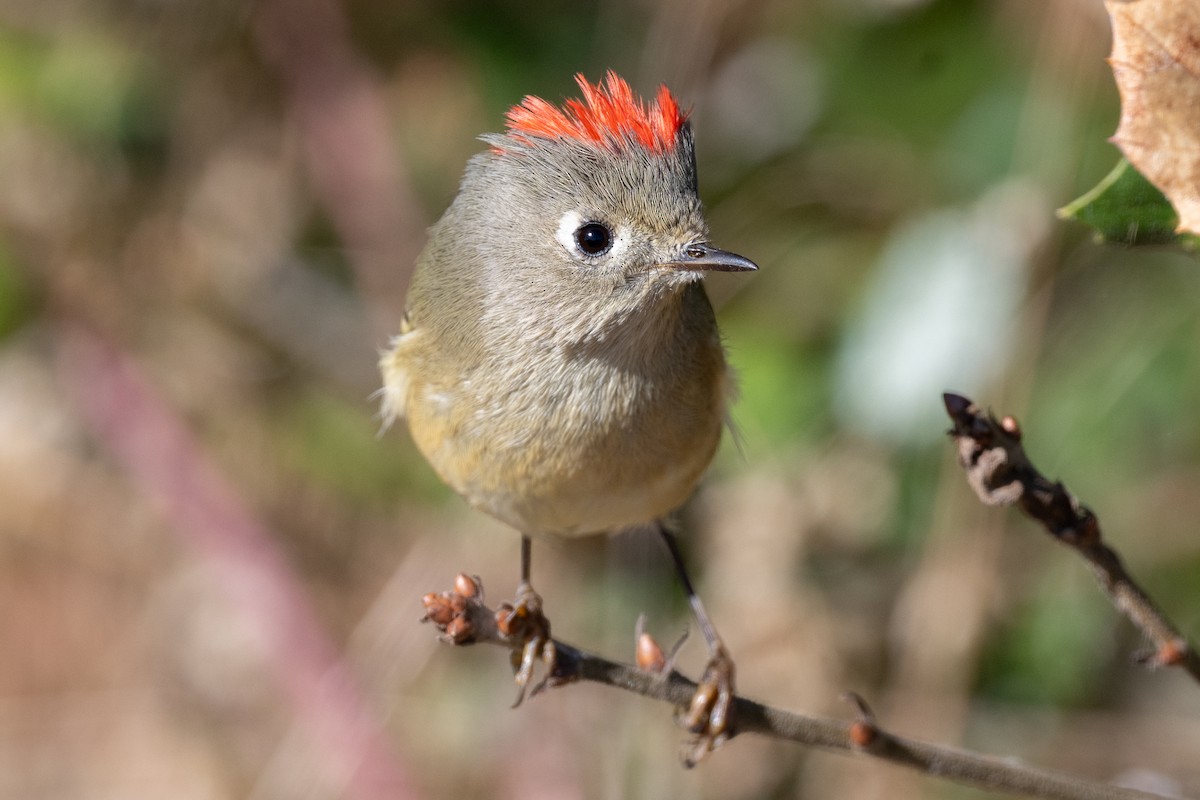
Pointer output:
x,y
558,361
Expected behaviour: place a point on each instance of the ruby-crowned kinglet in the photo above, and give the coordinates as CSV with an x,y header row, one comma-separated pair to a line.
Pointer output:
x,y
558,362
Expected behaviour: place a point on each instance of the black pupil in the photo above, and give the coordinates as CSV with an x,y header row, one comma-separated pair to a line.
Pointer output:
x,y
593,238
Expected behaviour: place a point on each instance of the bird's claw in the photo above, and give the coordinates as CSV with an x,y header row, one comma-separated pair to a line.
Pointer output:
x,y
524,622
462,618
709,716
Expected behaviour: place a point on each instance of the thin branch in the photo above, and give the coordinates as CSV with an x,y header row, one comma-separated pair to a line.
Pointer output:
x,y
1000,473
464,619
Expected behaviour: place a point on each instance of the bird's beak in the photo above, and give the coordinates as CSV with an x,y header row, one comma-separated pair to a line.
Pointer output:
x,y
703,257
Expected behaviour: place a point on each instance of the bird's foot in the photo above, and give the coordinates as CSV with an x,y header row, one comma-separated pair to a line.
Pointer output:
x,y
709,717
462,618
524,623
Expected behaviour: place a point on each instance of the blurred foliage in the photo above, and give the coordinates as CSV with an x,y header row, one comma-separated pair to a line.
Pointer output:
x,y
330,441
1125,208
875,68
160,183
16,305
1062,623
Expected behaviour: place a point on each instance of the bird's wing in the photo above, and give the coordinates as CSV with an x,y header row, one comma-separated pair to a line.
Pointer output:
x,y
393,364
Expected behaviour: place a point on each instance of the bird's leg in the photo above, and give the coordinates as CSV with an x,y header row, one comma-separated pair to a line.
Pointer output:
x,y
709,716
524,622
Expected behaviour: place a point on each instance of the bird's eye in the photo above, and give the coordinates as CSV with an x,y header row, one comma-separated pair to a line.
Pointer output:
x,y
593,238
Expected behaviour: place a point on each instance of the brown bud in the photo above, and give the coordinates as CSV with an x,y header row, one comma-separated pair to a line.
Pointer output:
x,y
465,585
437,609
460,630
1170,653
862,734
650,656
507,619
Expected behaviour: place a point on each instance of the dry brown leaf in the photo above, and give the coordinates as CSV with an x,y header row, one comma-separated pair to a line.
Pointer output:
x,y
1156,62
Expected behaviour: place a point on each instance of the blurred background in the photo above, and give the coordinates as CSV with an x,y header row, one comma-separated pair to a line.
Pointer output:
x,y
211,561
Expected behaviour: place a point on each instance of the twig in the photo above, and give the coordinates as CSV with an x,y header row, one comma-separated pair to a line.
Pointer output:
x,y
1000,473
464,619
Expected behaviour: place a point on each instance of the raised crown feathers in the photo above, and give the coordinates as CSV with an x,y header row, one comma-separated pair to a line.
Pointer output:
x,y
608,115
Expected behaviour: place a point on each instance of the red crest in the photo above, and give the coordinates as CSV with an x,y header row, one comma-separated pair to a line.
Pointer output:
x,y
608,114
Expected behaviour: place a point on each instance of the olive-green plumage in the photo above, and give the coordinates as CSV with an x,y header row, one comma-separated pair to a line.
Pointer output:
x,y
559,363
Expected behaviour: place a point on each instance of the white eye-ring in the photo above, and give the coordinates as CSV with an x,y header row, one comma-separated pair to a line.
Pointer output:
x,y
588,238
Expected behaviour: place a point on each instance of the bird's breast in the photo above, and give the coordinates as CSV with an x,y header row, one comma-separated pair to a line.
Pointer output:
x,y
572,440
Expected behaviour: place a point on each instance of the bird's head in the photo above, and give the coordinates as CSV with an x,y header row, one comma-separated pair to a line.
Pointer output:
x,y
597,197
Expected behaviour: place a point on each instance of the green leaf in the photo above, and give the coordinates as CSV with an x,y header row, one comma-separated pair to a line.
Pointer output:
x,y
1125,208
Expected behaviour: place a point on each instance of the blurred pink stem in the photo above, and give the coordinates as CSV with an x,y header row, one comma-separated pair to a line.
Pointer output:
x,y
152,444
